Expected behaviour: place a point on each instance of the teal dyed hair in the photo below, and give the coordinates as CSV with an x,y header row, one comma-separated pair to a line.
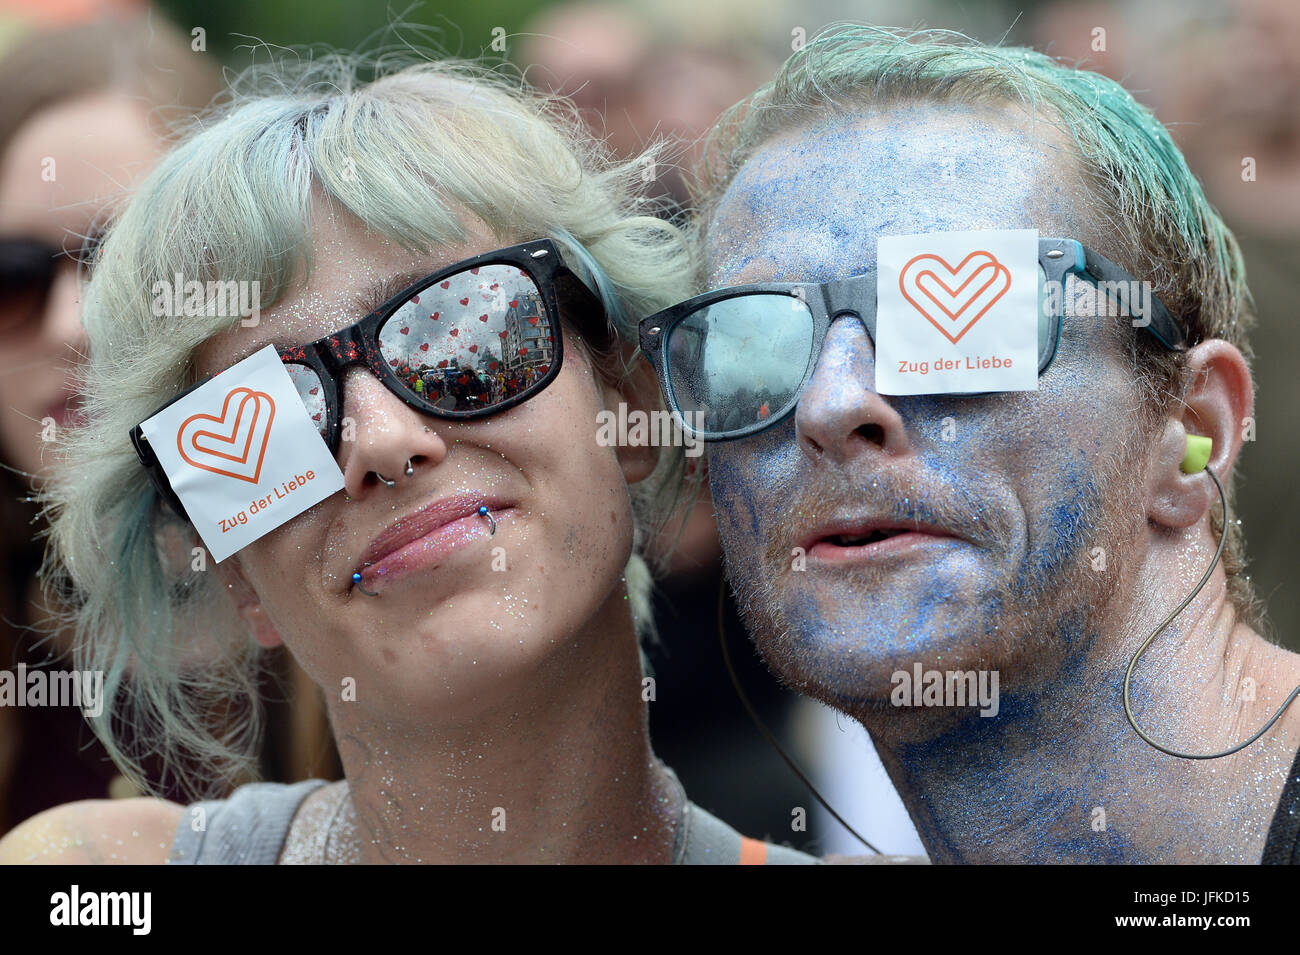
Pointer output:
x,y
404,154
1152,213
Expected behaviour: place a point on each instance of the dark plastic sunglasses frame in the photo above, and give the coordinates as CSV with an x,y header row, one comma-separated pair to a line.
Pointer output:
x,y
358,344
856,296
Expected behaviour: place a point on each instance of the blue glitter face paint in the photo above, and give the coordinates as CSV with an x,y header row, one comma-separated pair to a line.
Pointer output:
x,y
1010,485
1021,488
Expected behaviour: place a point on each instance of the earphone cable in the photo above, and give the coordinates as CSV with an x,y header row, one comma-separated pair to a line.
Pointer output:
x,y
762,727
1128,676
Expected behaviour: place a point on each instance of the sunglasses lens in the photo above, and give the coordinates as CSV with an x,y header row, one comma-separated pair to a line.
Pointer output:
x,y
26,271
471,341
739,361
312,393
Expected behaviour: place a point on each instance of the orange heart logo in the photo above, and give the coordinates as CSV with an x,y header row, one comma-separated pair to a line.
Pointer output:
x,y
970,289
234,443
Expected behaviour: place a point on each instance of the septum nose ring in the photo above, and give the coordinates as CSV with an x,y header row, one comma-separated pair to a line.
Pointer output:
x,y
409,471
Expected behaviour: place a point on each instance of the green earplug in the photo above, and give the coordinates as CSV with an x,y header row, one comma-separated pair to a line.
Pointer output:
x,y
1197,455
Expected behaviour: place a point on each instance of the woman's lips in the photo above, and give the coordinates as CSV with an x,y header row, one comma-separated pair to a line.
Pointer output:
x,y
433,547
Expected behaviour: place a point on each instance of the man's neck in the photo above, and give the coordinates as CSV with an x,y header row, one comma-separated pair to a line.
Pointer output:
x,y
560,772
1060,776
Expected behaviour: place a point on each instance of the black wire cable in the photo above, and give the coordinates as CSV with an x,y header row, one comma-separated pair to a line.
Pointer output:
x,y
1128,676
762,727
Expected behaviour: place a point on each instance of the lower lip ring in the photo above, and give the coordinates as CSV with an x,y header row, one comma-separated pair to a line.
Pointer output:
x,y
433,548
895,544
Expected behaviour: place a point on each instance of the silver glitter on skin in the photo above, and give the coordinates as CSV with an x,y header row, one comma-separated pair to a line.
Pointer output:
x,y
1032,482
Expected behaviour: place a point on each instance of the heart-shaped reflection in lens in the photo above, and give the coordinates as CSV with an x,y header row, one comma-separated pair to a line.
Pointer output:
x,y
493,339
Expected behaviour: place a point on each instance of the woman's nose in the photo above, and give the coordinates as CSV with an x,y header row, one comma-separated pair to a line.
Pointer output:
x,y
381,435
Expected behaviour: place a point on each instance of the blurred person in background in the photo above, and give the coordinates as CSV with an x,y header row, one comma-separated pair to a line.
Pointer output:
x,y
83,112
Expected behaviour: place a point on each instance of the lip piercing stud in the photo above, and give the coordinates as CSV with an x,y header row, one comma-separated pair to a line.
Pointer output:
x,y
356,580
387,482
483,512
410,471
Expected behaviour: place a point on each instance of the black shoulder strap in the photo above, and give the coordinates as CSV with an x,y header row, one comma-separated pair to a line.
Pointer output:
x,y
1283,844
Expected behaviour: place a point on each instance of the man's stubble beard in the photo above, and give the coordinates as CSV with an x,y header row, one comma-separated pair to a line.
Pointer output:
x,y
1052,620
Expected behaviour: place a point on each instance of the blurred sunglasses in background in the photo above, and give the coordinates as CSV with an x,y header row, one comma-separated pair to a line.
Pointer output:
x,y
27,270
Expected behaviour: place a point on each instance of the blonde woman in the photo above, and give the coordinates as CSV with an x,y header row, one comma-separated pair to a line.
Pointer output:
x,y
482,714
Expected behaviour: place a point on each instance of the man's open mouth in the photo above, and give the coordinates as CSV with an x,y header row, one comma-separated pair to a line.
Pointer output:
x,y
866,540
857,540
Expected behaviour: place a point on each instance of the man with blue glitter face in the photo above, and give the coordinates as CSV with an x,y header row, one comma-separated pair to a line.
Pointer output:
x,y
892,539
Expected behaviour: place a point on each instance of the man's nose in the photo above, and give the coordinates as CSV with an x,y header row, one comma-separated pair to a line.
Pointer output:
x,y
840,415
386,434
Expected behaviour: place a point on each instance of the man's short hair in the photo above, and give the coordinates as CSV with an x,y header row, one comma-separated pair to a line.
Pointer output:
x,y
1150,209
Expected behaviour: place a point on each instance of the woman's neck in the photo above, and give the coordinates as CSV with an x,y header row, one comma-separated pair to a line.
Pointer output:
x,y
562,771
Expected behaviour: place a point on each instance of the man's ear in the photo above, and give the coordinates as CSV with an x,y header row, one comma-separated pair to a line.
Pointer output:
x,y
248,604
639,391
1219,404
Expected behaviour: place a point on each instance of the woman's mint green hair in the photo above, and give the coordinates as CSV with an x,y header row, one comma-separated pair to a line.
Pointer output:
x,y
404,153
1150,210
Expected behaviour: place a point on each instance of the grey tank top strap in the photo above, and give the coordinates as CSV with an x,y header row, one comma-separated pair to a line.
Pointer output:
x,y
249,828
704,839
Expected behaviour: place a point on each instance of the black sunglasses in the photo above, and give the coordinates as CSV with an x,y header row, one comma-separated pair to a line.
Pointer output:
x,y
737,359
27,270
470,340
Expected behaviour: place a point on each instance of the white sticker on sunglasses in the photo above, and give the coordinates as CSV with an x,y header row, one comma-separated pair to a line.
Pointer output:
x,y
957,312
243,454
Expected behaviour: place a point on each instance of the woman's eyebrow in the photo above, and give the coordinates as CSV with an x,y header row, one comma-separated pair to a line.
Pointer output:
x,y
370,299
380,292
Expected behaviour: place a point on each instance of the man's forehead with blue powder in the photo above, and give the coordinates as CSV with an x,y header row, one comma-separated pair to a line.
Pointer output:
x,y
811,202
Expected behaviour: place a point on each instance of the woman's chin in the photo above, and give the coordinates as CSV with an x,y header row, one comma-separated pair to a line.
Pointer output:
x,y
452,666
